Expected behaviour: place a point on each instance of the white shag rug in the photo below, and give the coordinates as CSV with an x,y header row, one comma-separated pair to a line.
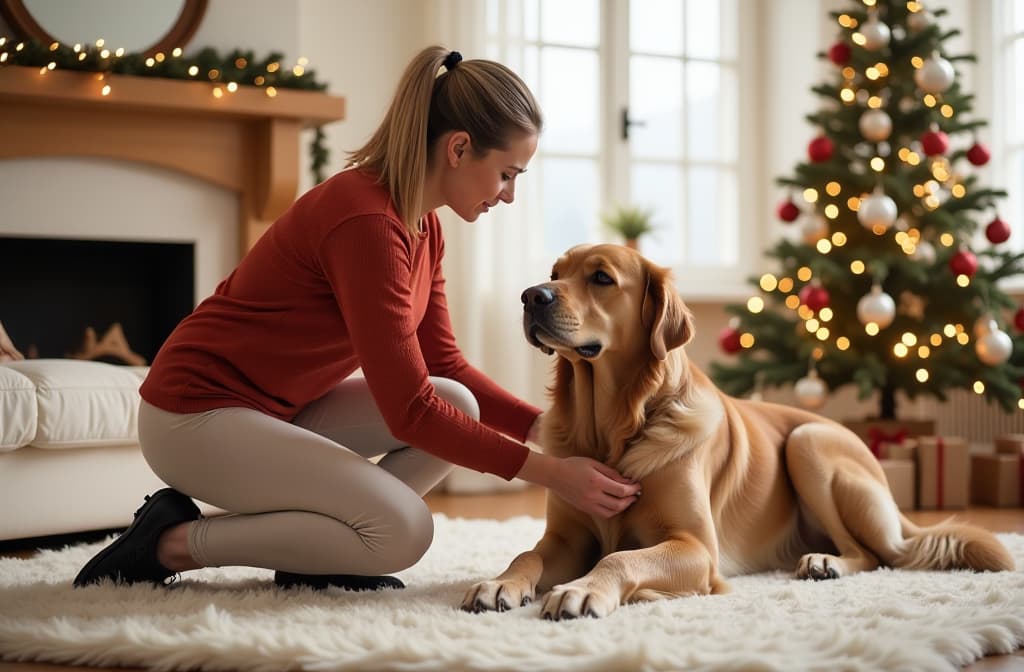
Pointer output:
x,y
234,618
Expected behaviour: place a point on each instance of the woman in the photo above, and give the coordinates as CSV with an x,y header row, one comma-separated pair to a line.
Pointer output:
x,y
251,406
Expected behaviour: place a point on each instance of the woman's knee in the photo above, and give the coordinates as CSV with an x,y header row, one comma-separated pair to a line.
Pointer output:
x,y
458,395
411,533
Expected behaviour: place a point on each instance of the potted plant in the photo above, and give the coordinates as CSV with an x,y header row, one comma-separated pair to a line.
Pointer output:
x,y
630,222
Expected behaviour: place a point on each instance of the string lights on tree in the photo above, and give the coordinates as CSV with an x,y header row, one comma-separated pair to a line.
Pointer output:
x,y
892,207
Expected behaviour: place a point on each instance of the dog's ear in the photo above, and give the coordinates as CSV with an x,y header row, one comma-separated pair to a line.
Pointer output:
x,y
664,314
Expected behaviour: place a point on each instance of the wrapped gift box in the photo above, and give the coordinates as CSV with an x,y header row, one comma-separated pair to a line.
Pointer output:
x,y
1010,444
901,475
902,450
876,432
943,472
997,480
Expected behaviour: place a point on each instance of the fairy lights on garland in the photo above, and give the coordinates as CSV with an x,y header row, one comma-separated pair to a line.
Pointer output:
x,y
224,73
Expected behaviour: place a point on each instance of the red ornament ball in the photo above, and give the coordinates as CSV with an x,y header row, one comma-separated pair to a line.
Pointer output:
x,y
934,143
964,263
1018,319
978,154
997,231
787,211
820,149
839,53
729,340
815,297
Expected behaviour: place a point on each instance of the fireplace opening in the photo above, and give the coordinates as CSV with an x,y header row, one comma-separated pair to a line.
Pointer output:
x,y
52,291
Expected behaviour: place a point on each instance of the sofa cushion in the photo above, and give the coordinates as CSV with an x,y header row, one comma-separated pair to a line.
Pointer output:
x,y
82,403
18,410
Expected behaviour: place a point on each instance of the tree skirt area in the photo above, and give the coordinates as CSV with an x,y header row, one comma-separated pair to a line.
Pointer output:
x,y
235,618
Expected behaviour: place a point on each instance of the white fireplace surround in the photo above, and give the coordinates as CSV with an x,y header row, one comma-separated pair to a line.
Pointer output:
x,y
102,199
105,199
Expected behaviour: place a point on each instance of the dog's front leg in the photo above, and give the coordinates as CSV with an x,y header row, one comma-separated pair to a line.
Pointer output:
x,y
560,555
678,566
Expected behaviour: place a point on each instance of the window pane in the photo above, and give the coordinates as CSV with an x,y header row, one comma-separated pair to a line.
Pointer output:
x,y
711,110
569,98
656,26
1017,9
711,217
655,99
705,37
570,22
570,203
531,19
658,187
1015,122
1015,202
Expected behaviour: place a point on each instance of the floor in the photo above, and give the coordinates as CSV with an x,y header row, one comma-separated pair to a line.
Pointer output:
x,y
530,502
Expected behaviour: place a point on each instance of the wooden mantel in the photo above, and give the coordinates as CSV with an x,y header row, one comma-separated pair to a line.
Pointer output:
x,y
243,141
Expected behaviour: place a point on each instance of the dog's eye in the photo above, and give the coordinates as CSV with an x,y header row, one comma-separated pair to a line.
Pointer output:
x,y
602,278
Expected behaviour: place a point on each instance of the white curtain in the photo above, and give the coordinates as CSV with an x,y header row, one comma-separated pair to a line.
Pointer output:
x,y
488,262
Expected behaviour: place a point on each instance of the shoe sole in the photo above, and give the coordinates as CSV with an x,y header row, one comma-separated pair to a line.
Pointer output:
x,y
114,545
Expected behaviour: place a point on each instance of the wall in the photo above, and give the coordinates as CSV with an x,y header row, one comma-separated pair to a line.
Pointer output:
x,y
360,48
113,200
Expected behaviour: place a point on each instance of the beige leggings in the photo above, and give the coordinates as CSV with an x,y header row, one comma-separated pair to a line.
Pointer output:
x,y
303,496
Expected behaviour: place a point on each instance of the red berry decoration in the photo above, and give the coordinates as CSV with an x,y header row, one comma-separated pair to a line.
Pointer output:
x,y
839,53
1018,319
978,154
964,263
820,149
729,340
934,142
815,297
787,211
997,231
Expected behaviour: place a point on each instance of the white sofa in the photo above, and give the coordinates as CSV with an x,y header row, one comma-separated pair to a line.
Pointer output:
x,y
69,451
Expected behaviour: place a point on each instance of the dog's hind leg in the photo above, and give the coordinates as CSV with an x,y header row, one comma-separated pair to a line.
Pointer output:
x,y
843,489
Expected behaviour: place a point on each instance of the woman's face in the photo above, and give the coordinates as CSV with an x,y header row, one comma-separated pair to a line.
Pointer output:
x,y
474,184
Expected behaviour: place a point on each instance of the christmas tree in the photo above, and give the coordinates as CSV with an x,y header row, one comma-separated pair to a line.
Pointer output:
x,y
889,285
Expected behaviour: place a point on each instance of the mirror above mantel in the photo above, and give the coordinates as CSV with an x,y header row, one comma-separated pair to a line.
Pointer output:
x,y
246,142
142,26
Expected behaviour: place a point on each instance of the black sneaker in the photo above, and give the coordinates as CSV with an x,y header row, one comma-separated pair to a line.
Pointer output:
x,y
346,581
131,558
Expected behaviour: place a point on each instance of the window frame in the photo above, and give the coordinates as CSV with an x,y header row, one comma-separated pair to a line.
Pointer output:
x,y
711,282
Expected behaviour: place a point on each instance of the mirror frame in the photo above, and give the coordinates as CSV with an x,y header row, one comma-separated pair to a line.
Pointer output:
x,y
21,21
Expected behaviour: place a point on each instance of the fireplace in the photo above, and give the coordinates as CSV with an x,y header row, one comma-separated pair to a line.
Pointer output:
x,y
52,290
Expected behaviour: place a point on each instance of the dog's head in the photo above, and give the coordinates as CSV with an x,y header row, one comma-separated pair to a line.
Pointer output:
x,y
604,300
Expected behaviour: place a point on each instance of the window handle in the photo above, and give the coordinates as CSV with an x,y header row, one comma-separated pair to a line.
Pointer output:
x,y
627,123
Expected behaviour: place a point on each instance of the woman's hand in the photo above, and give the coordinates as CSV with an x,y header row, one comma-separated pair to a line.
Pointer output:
x,y
589,485
533,436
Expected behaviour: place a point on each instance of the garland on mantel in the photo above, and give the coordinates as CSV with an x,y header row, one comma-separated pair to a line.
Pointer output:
x,y
238,68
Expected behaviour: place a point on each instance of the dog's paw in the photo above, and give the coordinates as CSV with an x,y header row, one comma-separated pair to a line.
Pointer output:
x,y
819,566
497,596
575,600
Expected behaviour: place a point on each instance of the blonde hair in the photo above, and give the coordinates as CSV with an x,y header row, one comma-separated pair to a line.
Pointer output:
x,y
484,98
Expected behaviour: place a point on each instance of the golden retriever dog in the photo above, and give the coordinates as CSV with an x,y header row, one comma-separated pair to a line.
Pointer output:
x,y
729,486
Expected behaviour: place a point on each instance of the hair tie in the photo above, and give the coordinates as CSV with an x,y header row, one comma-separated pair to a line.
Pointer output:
x,y
451,60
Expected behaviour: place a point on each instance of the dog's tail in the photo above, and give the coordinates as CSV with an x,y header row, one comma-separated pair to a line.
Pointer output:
x,y
951,545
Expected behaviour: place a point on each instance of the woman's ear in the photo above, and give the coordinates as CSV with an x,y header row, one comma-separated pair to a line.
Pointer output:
x,y
457,147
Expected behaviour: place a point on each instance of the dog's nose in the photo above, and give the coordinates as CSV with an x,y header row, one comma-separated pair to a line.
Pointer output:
x,y
539,295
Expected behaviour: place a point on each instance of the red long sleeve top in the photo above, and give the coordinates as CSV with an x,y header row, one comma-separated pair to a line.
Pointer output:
x,y
335,284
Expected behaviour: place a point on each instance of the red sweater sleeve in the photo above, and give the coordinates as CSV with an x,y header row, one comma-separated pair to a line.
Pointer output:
x,y
498,408
368,261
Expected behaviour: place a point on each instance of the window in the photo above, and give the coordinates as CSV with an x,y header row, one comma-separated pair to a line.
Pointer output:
x,y
641,101
1007,122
